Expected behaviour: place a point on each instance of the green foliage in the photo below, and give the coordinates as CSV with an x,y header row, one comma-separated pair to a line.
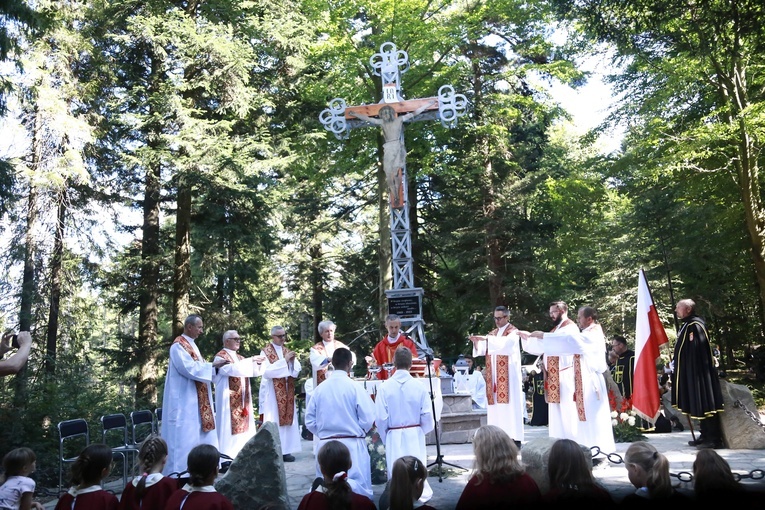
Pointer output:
x,y
287,224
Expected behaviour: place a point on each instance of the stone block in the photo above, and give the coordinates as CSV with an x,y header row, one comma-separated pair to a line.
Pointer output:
x,y
456,403
740,430
256,476
457,428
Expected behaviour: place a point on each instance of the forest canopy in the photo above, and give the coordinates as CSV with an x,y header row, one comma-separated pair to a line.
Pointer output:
x,y
171,161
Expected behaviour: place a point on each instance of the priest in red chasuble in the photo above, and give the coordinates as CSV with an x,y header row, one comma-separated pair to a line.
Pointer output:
x,y
386,348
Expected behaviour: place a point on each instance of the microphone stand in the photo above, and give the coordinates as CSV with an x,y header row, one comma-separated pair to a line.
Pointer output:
x,y
439,458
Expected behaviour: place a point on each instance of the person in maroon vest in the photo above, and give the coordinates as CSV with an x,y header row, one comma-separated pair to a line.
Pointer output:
x,y
91,467
150,490
200,493
498,479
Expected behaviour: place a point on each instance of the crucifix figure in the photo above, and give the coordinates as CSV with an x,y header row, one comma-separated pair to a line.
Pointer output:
x,y
394,150
390,114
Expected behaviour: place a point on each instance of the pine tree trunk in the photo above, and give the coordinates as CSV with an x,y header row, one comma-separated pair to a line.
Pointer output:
x,y
148,342
317,289
28,278
55,285
182,272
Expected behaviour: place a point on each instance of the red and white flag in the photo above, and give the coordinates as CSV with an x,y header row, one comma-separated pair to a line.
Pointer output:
x,y
649,335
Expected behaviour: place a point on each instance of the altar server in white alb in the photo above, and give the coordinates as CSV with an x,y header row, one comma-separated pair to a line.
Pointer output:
x,y
233,395
187,402
341,410
403,415
504,389
281,369
575,387
476,384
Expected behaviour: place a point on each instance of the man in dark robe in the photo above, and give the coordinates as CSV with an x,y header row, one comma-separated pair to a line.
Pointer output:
x,y
539,415
695,383
624,368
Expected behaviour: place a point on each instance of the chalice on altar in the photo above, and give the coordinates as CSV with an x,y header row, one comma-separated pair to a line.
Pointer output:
x,y
388,367
374,371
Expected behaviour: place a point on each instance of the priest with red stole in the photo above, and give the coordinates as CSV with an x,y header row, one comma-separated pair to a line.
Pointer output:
x,y
505,398
233,395
188,397
386,348
575,388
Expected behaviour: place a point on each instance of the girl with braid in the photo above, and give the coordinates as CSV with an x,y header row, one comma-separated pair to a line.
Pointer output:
x,y
199,493
334,459
150,490
93,465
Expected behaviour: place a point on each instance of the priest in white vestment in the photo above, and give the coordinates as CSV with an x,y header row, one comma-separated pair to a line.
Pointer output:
x,y
403,415
281,369
502,374
188,417
341,410
321,353
234,415
575,387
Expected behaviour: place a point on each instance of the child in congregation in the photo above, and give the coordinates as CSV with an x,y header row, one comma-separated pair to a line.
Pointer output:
x,y
648,470
407,482
150,490
334,460
199,493
571,478
498,479
17,490
93,465
713,481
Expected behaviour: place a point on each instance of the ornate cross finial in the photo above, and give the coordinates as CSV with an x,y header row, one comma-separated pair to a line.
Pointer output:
x,y
390,63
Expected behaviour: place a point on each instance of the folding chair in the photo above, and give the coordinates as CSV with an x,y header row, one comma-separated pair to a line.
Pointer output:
x,y
69,431
142,426
158,421
115,434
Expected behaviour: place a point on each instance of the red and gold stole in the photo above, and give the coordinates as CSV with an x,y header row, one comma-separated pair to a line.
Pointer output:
x,y
579,388
501,388
551,372
240,405
284,388
552,379
203,398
